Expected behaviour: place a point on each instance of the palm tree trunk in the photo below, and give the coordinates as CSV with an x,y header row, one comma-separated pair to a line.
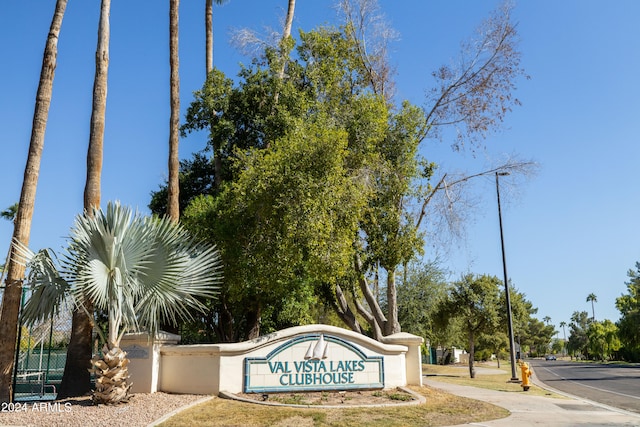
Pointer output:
x,y
22,229
111,377
208,24
286,32
173,187
76,380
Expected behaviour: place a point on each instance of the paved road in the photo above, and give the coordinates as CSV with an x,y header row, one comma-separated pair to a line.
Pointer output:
x,y
614,385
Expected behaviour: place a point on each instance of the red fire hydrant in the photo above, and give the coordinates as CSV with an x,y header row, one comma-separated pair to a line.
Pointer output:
x,y
526,373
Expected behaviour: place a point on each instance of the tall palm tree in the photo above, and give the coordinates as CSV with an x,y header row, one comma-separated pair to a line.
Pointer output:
x,y
208,23
22,228
139,270
76,380
563,324
173,187
208,13
546,319
286,33
592,297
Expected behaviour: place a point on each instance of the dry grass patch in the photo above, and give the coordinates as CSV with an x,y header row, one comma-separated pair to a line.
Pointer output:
x,y
440,409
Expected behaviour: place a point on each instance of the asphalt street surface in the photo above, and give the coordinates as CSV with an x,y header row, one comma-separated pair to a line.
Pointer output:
x,y
613,385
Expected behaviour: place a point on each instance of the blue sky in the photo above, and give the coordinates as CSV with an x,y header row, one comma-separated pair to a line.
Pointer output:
x,y
571,230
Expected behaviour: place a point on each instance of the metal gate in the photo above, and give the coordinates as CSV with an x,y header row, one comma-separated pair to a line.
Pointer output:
x,y
41,354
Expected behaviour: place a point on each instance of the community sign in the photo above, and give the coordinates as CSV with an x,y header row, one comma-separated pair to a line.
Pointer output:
x,y
313,362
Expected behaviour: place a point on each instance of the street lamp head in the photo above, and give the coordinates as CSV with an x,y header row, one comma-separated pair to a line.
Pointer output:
x,y
503,173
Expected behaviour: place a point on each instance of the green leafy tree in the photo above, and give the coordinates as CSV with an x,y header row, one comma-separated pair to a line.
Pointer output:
x,y
578,344
629,307
557,346
293,204
140,271
476,301
522,311
196,178
539,336
338,79
419,296
603,339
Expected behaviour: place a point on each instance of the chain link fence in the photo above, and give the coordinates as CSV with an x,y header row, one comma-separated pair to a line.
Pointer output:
x,y
41,354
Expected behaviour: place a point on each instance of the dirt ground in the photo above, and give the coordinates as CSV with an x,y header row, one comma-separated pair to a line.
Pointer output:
x,y
334,398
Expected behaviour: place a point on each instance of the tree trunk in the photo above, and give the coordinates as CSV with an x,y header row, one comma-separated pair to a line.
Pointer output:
x,y
286,32
289,20
344,311
224,326
253,323
472,355
111,377
392,326
173,187
376,311
11,298
208,24
76,380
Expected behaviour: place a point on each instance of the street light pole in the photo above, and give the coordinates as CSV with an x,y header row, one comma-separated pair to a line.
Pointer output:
x,y
512,354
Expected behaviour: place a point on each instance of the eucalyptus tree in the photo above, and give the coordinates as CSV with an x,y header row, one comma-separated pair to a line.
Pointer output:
x,y
141,271
473,95
22,226
76,380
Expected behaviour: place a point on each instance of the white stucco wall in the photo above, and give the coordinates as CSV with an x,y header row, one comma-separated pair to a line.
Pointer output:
x,y
212,368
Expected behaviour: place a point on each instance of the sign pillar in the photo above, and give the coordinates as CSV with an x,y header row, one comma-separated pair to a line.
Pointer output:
x,y
144,358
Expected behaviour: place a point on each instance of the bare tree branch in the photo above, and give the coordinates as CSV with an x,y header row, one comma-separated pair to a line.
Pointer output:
x,y
475,95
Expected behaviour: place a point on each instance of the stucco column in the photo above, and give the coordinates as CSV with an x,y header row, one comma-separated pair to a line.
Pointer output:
x,y
144,358
413,359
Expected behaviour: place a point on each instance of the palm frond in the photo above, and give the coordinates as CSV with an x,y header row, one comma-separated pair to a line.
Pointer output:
x,y
142,271
181,272
48,289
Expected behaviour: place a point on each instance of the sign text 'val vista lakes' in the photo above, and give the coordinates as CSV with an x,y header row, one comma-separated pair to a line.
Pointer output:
x,y
314,362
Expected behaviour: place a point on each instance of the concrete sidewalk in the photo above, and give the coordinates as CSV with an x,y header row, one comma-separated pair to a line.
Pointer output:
x,y
530,410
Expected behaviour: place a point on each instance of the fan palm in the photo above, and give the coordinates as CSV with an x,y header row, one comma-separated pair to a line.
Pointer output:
x,y
140,270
